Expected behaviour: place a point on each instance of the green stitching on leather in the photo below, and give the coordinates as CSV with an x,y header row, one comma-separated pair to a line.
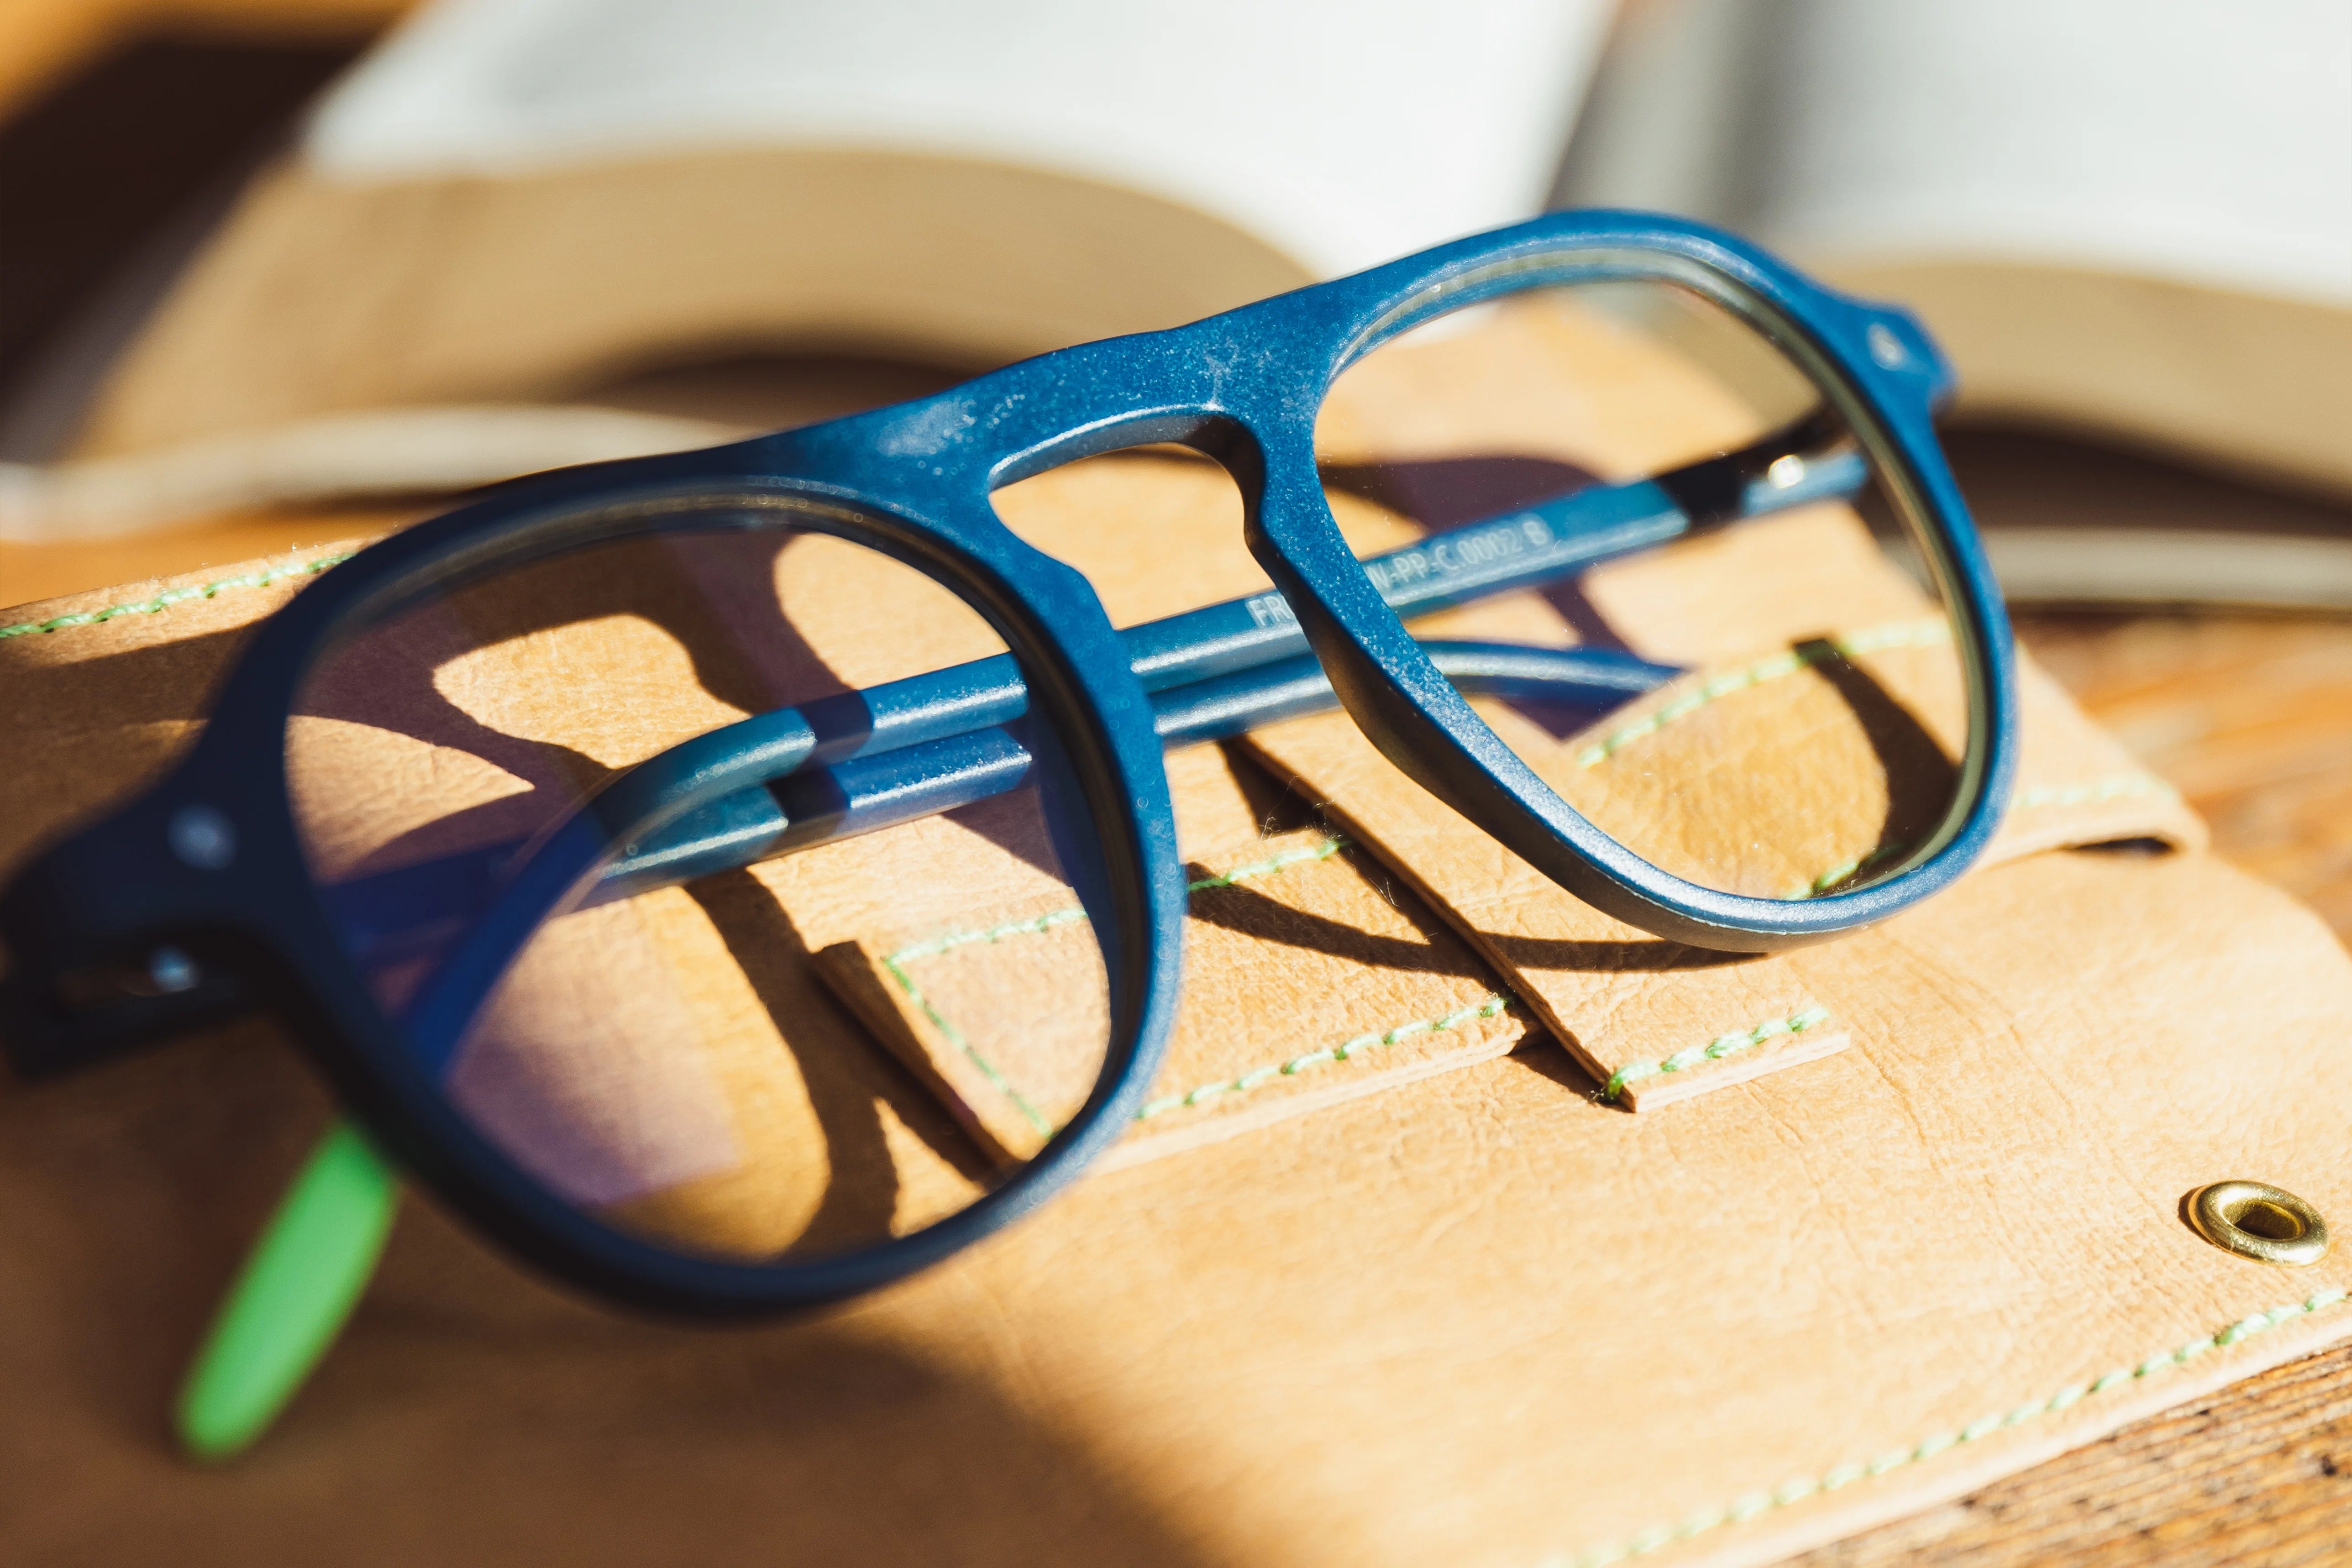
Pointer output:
x,y
1037,925
1902,634
955,939
2113,788
1716,1049
1044,923
1271,864
988,1069
169,597
2116,788
1740,1509
1345,1051
1839,872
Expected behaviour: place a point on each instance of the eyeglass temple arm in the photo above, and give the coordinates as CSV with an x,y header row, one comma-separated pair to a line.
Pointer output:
x,y
301,1280
1539,543
734,796
313,1258
967,705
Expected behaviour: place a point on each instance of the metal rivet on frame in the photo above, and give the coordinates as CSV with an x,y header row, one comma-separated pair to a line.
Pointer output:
x,y
1885,347
203,838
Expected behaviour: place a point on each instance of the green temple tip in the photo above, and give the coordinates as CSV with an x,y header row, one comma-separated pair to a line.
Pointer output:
x,y
304,1275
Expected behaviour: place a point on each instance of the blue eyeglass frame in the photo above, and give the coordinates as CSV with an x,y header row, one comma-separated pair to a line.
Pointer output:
x,y
208,859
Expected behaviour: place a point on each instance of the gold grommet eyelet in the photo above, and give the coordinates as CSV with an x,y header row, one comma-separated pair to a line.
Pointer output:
x,y
2257,1221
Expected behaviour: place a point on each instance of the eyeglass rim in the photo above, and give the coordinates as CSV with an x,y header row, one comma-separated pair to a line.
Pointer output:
x,y
1840,343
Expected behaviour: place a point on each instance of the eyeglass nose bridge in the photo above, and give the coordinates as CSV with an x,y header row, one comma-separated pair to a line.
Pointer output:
x,y
1214,432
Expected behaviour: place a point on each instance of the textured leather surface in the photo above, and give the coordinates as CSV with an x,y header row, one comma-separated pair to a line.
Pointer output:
x,y
1482,1318
1476,1315
1309,979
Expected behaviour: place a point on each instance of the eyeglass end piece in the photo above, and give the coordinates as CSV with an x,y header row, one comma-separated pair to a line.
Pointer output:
x,y
305,1272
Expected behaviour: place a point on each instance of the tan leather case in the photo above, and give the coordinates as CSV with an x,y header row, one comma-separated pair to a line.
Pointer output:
x,y
1386,1275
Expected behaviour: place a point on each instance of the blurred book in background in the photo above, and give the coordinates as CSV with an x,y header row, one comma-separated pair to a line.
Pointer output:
x,y
520,201
521,232
2124,219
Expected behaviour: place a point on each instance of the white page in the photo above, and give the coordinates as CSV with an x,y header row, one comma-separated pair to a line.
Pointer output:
x,y
1341,131
2205,141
